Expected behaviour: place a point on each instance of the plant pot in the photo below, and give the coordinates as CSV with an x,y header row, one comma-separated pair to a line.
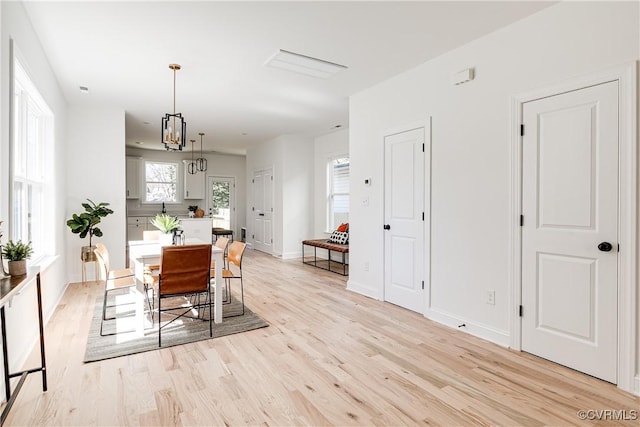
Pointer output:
x,y
166,239
18,268
87,254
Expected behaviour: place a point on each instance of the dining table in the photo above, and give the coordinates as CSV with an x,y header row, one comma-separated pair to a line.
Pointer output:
x,y
143,253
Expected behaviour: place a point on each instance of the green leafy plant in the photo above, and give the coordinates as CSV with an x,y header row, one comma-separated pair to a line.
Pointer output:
x,y
17,251
193,208
85,223
165,223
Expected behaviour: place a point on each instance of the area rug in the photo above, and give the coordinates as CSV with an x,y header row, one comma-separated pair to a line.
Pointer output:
x,y
136,334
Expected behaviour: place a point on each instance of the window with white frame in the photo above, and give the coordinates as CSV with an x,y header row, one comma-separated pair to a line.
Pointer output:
x,y
338,199
32,168
160,182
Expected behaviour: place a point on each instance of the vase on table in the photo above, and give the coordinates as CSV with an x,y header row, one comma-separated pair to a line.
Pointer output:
x,y
166,239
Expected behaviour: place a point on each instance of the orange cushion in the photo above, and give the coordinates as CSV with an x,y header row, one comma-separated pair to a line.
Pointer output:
x,y
343,227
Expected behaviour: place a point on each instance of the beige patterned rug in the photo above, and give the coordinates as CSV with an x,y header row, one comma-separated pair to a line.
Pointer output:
x,y
136,334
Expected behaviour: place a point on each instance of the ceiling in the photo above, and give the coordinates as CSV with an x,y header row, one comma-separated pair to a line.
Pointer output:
x,y
121,51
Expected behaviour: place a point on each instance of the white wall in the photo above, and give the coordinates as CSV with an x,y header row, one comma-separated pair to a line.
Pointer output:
x,y
291,157
96,151
225,165
326,147
22,316
297,193
470,149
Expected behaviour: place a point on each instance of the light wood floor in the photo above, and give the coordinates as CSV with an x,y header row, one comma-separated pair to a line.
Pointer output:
x,y
329,357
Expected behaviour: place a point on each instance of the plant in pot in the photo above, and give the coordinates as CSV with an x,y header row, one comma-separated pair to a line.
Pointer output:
x,y
167,224
192,211
85,224
17,253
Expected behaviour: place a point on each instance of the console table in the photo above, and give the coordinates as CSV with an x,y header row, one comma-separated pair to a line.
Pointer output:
x,y
10,287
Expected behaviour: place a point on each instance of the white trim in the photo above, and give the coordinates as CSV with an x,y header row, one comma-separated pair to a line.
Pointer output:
x,y
362,290
626,75
479,330
291,255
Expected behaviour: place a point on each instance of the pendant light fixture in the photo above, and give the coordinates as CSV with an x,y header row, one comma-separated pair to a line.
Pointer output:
x,y
192,168
201,162
174,128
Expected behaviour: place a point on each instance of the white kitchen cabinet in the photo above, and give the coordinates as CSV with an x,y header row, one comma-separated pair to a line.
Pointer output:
x,y
193,183
133,177
136,225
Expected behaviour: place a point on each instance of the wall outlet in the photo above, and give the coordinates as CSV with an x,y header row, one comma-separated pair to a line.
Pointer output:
x,y
491,297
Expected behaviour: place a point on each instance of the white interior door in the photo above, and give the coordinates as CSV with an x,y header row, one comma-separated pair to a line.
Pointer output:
x,y
570,209
263,210
404,219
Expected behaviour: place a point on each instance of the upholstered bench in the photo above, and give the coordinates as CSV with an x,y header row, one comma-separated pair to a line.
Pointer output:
x,y
330,247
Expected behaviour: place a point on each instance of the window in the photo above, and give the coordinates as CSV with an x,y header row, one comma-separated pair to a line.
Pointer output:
x,y
32,140
161,182
338,203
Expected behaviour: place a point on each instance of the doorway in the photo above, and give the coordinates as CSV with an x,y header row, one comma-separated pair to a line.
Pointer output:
x,y
262,210
221,201
574,220
404,218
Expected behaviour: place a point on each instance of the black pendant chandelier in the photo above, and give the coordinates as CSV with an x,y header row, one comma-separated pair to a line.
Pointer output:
x,y
192,168
201,162
174,128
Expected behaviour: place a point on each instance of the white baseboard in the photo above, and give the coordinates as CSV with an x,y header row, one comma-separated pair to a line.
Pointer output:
x,y
636,388
476,329
291,255
363,290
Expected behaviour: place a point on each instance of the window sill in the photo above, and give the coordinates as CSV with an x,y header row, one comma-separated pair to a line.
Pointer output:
x,y
44,263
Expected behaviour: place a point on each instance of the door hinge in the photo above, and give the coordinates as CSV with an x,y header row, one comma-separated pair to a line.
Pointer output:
x,y
423,148
423,216
253,208
520,311
423,284
618,247
521,130
253,236
521,220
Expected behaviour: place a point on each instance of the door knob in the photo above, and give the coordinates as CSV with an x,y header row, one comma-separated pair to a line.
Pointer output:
x,y
387,227
605,246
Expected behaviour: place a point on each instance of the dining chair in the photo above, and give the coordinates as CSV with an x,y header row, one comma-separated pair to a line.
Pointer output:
x,y
103,252
184,271
151,235
233,270
113,280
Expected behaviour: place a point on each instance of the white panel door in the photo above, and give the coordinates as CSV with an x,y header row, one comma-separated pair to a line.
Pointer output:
x,y
570,229
263,210
404,219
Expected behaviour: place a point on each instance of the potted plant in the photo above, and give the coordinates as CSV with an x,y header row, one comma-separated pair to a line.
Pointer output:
x,y
192,211
85,224
17,253
167,224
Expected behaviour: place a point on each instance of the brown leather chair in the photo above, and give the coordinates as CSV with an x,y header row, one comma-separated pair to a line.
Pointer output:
x,y
184,270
